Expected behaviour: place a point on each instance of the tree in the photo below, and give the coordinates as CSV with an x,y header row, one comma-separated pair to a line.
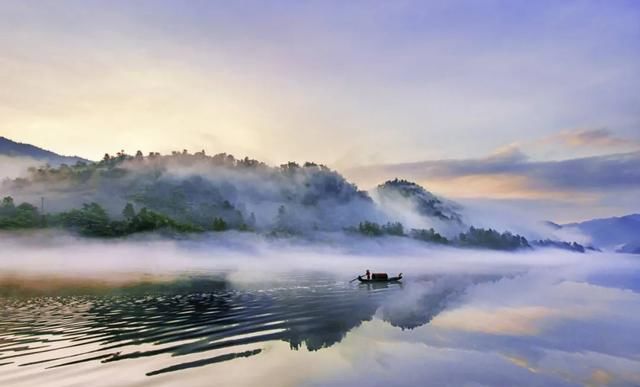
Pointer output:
x,y
429,235
147,220
219,224
370,228
374,229
7,202
16,217
90,220
289,168
281,218
574,246
251,222
492,239
393,228
128,212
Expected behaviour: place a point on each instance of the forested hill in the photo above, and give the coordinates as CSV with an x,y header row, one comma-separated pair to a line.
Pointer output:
x,y
194,192
197,188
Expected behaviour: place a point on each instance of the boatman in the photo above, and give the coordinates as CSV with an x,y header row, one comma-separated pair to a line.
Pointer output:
x,y
368,274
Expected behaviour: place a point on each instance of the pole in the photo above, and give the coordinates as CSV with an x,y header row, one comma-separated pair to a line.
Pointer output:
x,y
42,217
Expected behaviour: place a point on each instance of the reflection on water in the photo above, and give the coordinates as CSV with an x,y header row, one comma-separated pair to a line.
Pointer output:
x,y
195,315
517,329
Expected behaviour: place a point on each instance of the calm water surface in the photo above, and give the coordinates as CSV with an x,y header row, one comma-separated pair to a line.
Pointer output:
x,y
316,329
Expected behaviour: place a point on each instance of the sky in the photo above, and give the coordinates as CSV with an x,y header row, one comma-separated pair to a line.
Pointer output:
x,y
525,92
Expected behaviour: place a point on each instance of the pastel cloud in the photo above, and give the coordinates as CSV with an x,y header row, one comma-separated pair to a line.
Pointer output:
x,y
501,321
619,170
602,137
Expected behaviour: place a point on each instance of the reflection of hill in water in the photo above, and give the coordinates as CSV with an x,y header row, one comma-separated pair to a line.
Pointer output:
x,y
432,296
421,312
198,316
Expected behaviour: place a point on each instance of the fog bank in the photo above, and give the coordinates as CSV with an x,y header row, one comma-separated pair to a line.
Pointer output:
x,y
258,256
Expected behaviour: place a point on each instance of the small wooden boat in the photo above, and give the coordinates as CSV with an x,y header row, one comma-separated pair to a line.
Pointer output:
x,y
379,277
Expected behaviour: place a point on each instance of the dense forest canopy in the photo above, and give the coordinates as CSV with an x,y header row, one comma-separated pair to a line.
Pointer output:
x,y
184,192
197,188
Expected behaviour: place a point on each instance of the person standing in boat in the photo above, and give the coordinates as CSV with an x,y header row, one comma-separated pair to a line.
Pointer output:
x,y
368,274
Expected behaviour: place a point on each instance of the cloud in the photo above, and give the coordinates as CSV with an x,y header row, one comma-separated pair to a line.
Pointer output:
x,y
596,138
503,321
492,189
515,170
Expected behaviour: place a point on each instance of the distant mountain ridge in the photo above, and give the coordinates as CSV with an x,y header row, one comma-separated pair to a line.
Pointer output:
x,y
16,149
617,233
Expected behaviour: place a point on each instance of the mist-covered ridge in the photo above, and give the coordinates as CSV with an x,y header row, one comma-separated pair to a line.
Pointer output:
x,y
9,148
193,192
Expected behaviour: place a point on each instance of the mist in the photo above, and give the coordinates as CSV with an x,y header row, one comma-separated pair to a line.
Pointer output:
x,y
508,216
456,311
314,197
62,254
12,167
196,188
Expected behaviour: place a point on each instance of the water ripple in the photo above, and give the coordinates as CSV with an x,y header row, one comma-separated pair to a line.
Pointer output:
x,y
67,331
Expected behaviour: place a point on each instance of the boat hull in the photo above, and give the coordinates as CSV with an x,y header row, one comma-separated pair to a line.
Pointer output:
x,y
377,281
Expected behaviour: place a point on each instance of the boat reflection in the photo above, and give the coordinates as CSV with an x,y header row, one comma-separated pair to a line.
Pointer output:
x,y
199,315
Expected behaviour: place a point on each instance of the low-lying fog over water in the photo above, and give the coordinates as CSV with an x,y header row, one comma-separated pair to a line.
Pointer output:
x,y
247,310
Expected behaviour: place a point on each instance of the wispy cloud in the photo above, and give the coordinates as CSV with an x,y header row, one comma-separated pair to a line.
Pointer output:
x,y
592,138
576,188
619,170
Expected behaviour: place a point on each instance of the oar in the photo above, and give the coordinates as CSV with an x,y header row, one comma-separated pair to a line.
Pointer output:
x,y
354,279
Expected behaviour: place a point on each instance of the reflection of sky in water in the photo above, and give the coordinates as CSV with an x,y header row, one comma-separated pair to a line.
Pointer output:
x,y
519,331
540,327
